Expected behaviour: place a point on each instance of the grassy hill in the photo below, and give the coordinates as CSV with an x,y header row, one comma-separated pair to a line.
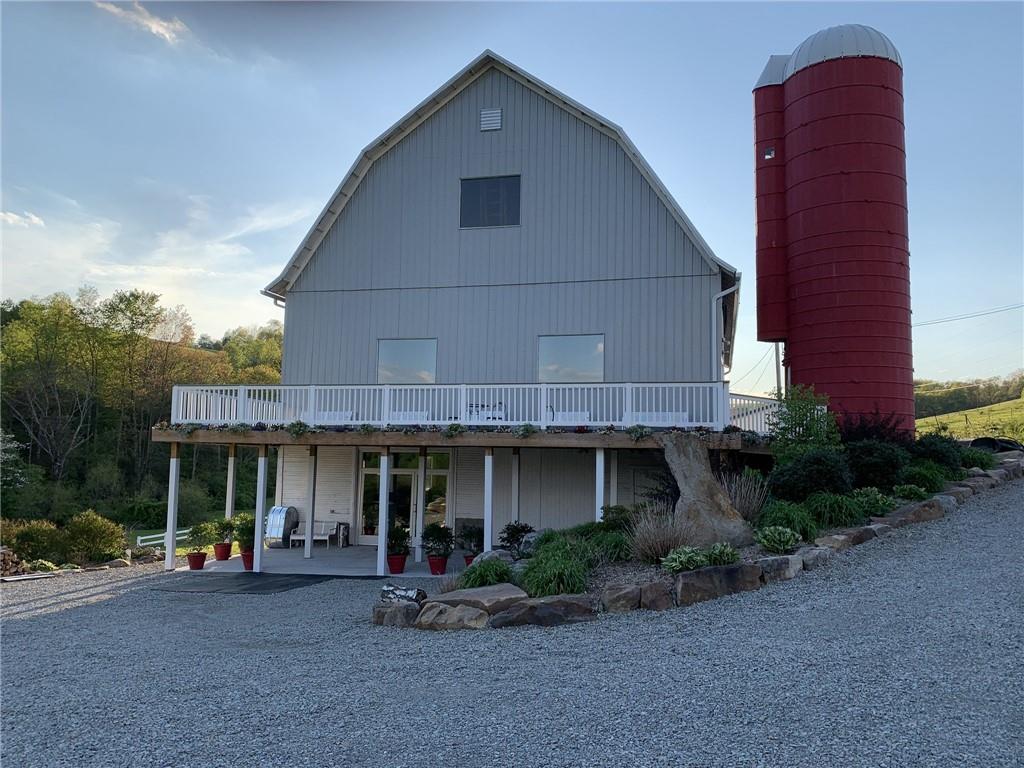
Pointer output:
x,y
1002,419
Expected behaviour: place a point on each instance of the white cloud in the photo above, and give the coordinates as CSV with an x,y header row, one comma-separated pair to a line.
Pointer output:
x,y
171,30
29,219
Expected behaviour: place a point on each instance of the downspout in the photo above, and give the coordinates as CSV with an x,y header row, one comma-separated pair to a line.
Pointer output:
x,y
716,357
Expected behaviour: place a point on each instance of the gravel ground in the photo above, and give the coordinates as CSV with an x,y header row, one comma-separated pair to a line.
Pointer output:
x,y
906,651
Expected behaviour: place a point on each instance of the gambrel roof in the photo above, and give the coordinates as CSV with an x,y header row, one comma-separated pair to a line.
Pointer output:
x,y
486,61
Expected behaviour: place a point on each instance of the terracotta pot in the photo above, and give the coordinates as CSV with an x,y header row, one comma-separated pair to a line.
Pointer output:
x,y
396,563
469,559
438,564
196,560
222,550
247,560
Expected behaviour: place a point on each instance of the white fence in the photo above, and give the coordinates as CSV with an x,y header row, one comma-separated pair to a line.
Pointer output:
x,y
155,539
750,412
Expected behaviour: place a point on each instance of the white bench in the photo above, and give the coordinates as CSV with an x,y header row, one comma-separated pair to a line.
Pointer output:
x,y
322,531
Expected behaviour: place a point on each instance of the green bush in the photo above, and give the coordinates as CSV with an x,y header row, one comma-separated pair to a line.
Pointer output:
x,y
786,514
485,573
924,473
801,423
584,530
201,535
722,554
941,449
41,566
34,539
910,492
561,565
398,540
512,537
977,457
90,538
876,464
610,546
813,471
777,538
873,503
438,540
617,518
684,559
830,510
245,531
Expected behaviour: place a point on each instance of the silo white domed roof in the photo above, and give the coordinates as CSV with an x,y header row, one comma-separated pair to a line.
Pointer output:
x,y
844,41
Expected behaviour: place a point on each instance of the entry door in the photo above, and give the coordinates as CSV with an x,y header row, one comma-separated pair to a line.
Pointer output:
x,y
401,503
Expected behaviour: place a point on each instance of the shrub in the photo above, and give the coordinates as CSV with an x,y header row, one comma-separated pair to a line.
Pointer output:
x,y
90,538
777,538
801,423
924,473
748,492
398,540
512,537
472,539
813,471
684,559
786,514
722,554
656,532
873,502
617,518
200,536
941,449
485,573
876,464
977,457
560,566
910,492
887,428
438,540
245,531
610,546
830,510
34,539
224,528
41,566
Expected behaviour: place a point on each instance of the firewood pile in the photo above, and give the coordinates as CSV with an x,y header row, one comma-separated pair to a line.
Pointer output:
x,y
10,563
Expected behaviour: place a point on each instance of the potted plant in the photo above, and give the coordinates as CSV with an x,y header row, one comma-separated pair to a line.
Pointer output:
x,y
200,536
439,542
472,540
398,549
245,535
225,529
370,520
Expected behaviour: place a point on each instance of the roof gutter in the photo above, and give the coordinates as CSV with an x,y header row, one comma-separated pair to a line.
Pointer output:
x,y
278,298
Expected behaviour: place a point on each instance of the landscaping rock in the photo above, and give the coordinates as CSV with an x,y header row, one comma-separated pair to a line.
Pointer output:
x,y
657,595
836,542
501,554
716,581
999,475
392,593
779,567
396,614
97,568
620,598
550,611
977,484
959,492
438,616
859,535
880,529
493,599
976,472
119,562
948,503
1013,469
814,557
917,512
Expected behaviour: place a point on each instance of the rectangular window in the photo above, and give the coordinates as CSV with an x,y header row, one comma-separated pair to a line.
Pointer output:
x,y
569,359
490,202
406,361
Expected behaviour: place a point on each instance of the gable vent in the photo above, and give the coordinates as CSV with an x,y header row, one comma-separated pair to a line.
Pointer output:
x,y
490,119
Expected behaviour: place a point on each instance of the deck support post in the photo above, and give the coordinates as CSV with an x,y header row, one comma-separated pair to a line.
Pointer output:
x,y
599,484
229,493
421,500
307,550
515,484
613,477
382,514
261,509
172,507
488,498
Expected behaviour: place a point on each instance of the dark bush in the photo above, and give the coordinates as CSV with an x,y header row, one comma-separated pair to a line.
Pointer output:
x,y
91,538
943,450
610,546
910,492
830,510
141,512
34,539
924,474
512,537
876,464
786,514
617,518
485,573
885,428
810,472
977,457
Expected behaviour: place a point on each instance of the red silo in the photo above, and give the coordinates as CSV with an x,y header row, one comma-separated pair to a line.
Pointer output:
x,y
832,247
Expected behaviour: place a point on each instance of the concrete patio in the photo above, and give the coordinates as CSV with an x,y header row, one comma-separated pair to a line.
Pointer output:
x,y
343,561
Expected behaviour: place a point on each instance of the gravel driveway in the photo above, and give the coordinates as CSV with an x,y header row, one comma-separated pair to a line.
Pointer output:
x,y
907,651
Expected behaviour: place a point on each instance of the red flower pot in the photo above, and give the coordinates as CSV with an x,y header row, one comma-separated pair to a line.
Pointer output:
x,y
222,550
396,563
196,560
469,559
247,560
438,564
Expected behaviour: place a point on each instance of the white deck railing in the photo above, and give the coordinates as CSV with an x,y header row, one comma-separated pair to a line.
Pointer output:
x,y
702,404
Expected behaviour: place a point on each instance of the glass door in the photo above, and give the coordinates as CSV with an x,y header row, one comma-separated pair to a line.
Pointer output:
x,y
401,501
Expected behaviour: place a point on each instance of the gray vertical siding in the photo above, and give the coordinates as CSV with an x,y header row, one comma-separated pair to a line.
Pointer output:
x,y
596,252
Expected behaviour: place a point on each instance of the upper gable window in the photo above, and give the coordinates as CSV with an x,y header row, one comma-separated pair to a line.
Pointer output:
x,y
490,202
406,361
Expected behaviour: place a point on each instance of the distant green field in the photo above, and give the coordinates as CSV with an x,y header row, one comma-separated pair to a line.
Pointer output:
x,y
1002,419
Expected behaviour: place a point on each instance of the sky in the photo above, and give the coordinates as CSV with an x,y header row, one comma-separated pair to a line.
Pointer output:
x,y
186,148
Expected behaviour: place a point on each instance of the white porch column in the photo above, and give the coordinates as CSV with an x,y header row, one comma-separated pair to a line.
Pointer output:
x,y
172,508
488,497
382,515
229,494
613,477
515,484
599,484
421,501
261,509
307,551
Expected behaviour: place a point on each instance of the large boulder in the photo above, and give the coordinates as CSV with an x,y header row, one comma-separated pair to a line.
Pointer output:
x,y
493,599
658,595
716,581
549,611
780,567
528,546
392,593
494,554
438,616
396,614
702,504
620,598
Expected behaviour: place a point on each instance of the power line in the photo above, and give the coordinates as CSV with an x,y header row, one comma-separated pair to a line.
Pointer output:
x,y
741,378
968,316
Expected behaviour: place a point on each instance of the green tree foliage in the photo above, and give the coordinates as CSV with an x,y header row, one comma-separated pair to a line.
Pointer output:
x,y
801,423
934,398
